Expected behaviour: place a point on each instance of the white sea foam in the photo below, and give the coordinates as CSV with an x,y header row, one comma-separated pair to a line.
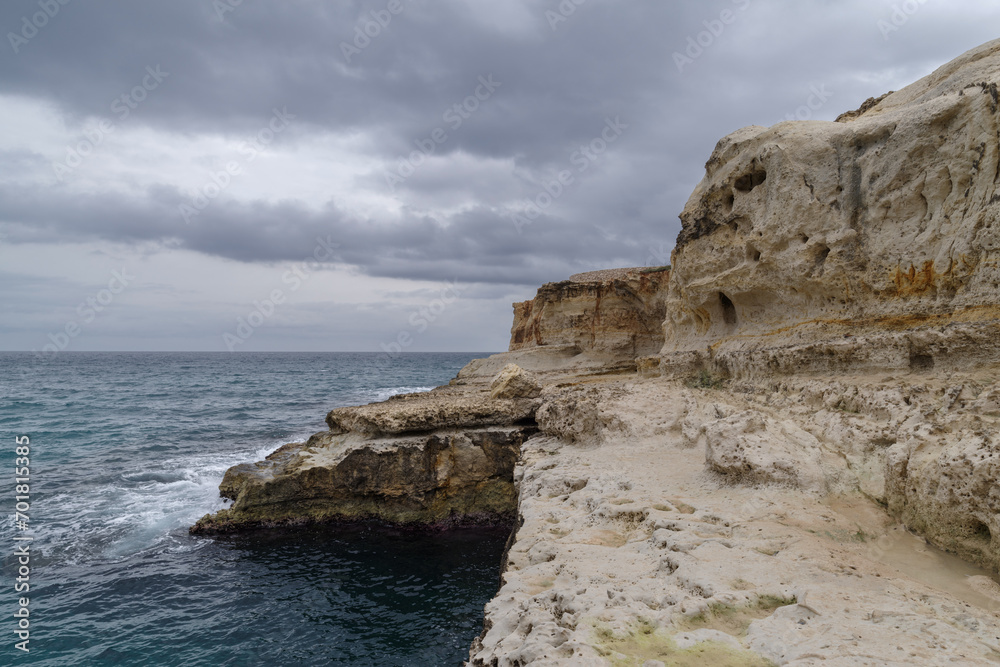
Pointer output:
x,y
388,392
145,509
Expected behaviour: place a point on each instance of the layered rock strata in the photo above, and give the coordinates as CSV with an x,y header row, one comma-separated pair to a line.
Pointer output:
x,y
415,460
614,315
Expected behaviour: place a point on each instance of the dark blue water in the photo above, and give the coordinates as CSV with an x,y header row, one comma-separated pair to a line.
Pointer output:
x,y
127,451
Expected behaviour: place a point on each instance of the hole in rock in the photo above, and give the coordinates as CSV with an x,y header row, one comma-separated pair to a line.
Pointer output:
x,y
728,309
748,182
921,362
822,252
730,201
753,254
981,532
738,223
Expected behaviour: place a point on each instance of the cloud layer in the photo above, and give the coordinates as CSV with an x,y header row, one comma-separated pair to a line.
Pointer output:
x,y
498,143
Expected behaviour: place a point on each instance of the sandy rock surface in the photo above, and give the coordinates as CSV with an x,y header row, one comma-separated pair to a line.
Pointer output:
x,y
632,548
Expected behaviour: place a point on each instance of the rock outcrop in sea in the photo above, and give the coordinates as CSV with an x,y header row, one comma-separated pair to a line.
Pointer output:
x,y
781,450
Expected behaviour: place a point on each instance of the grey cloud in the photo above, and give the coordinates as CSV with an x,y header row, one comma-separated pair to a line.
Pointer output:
x,y
477,246
609,59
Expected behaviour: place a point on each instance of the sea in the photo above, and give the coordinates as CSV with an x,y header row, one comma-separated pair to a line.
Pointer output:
x,y
126,450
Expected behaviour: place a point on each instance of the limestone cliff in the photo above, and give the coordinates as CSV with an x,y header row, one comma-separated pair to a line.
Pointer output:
x,y
868,243
619,315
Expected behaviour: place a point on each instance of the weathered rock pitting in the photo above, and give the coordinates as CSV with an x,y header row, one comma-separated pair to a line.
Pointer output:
x,y
414,460
637,544
438,480
621,316
808,232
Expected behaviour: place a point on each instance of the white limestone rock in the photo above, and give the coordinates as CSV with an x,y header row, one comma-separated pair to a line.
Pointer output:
x,y
514,382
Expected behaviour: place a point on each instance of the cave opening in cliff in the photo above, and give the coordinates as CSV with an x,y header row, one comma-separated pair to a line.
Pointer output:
x,y
728,310
981,532
748,182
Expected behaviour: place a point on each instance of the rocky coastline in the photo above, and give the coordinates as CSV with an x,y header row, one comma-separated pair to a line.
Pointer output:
x,y
783,449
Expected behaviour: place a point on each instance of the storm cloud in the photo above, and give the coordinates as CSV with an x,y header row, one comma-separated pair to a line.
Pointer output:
x,y
499,144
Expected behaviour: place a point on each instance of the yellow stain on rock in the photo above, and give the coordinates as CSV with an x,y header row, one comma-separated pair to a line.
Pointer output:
x,y
914,281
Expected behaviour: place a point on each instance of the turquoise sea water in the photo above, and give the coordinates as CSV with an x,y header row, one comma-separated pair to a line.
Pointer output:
x,y
127,450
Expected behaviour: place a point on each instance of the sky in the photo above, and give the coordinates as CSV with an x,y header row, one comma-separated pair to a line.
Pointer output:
x,y
387,175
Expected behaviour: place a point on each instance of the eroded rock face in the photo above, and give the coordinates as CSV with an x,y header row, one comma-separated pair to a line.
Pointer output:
x,y
922,447
885,224
750,448
950,494
620,316
433,459
442,479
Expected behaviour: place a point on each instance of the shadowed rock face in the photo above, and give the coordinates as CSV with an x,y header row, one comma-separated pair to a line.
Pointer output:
x,y
621,316
887,222
442,479
435,459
